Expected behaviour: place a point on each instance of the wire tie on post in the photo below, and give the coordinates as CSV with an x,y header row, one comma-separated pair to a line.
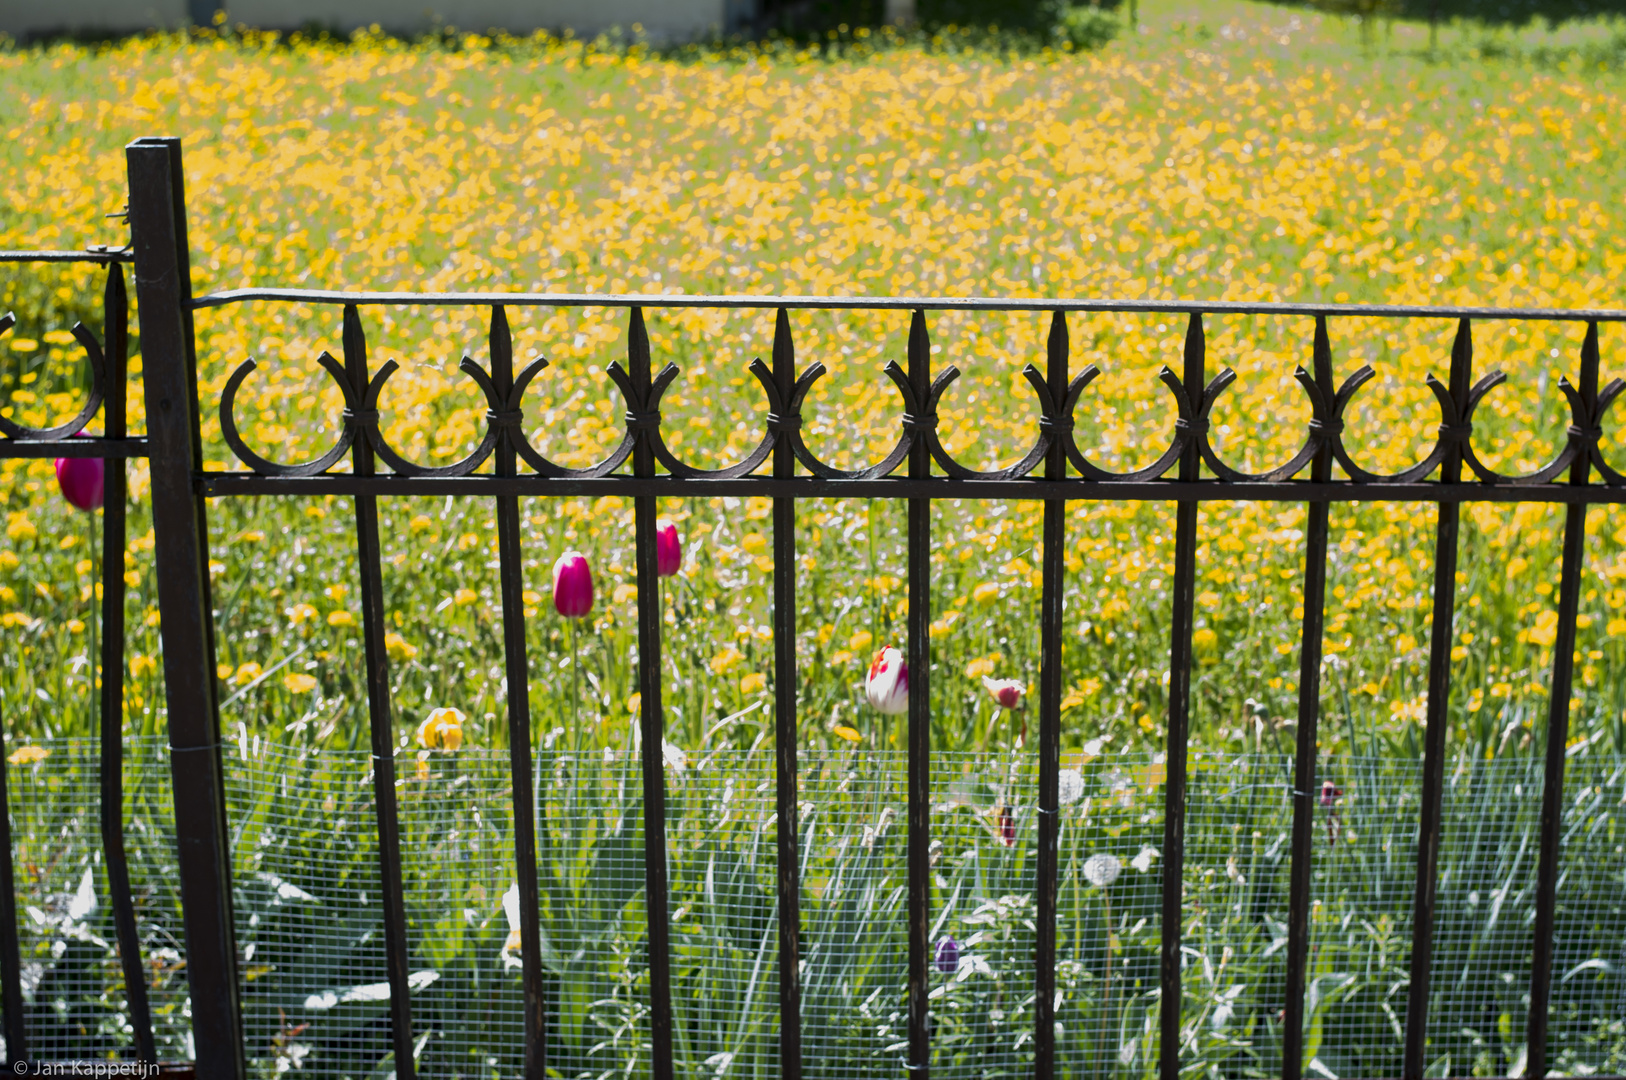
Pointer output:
x,y
1059,424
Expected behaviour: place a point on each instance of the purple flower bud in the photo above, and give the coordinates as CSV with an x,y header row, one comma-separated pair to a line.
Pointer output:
x,y
81,481
668,548
947,957
572,585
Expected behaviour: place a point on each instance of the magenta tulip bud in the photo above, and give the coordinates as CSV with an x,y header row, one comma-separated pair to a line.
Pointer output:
x,y
1007,826
81,481
668,548
887,684
572,585
1007,693
947,957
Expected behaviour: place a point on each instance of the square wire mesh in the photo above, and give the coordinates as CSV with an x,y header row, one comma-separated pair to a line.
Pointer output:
x,y
310,929
73,980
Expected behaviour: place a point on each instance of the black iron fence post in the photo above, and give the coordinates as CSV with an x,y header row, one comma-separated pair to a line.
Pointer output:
x,y
1050,683
1174,791
516,669
1438,717
1558,726
115,355
163,292
920,715
1310,650
785,685
652,729
380,722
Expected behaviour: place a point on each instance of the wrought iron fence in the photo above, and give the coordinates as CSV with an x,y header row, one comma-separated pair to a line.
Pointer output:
x,y
918,469
105,359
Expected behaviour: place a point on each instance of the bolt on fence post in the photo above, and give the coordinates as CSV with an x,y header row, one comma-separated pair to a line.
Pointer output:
x,y
164,295
785,685
920,714
652,730
1310,650
1439,689
1174,789
1050,680
115,337
1558,726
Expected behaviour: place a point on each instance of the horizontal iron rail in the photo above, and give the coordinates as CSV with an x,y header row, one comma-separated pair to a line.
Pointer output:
x,y
218,484
119,256
902,303
74,448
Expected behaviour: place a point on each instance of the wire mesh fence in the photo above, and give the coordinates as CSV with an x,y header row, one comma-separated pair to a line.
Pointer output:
x,y
73,984
312,967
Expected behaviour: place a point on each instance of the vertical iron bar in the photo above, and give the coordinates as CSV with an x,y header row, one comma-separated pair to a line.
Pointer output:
x,y
651,724
1558,726
1310,649
115,345
1174,791
1439,689
380,721
920,715
516,669
163,294
1050,680
784,690
15,1027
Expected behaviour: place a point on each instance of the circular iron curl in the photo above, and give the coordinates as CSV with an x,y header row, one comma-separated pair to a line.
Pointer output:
x,y
752,461
366,418
790,425
264,466
1606,398
543,467
1051,426
1452,431
1184,427
1582,433
93,353
1323,426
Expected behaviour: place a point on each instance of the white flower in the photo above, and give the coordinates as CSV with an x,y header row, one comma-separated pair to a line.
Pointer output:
x,y
1070,786
1102,869
1143,861
887,684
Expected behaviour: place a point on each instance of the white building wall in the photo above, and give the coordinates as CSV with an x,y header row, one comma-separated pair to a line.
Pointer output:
x,y
660,19
22,18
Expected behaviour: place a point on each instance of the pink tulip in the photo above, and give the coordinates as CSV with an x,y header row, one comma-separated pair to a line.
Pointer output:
x,y
668,548
947,955
887,684
81,481
1007,693
572,585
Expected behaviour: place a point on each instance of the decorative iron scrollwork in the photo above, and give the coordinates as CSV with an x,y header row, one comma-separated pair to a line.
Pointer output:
x,y
784,420
93,401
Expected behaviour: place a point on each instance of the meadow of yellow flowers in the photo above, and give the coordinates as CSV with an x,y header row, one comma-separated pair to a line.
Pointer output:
x,y
1225,151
